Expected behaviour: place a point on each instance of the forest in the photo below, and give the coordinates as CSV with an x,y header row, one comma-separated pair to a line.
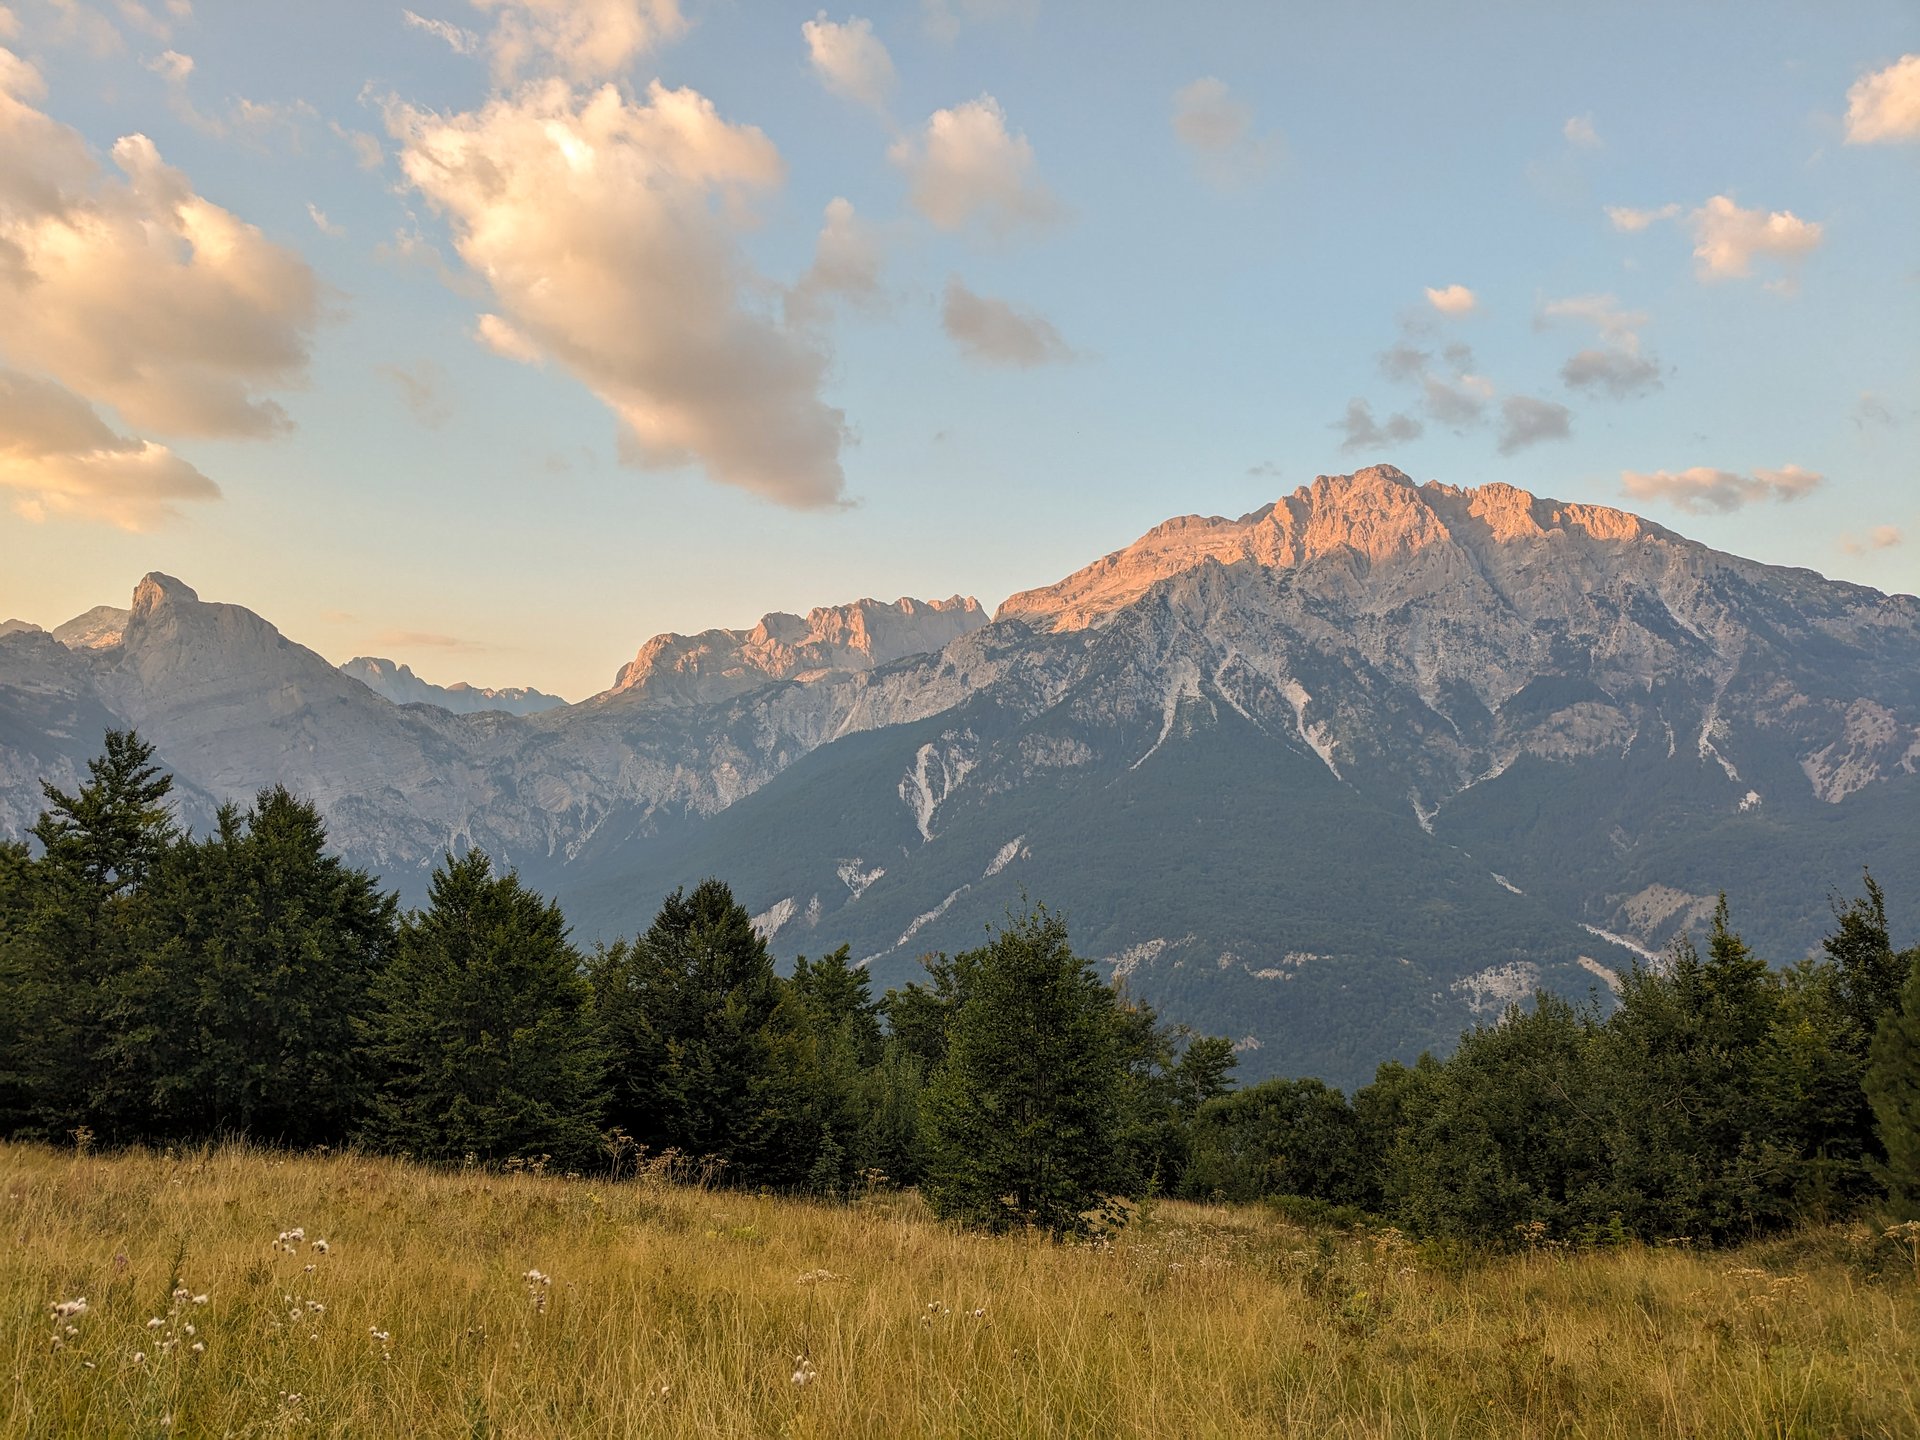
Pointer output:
x,y
160,988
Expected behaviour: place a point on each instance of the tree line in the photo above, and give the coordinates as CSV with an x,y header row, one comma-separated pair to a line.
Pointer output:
x,y
159,987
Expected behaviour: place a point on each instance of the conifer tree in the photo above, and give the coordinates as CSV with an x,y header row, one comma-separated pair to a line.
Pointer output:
x,y
1893,1089
705,1054
263,949
483,1027
1022,1112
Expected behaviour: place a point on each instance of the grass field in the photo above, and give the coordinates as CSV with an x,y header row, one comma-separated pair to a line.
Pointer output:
x,y
476,1303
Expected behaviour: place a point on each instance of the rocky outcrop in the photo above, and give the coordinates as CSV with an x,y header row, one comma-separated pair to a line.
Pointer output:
x,y
720,664
399,684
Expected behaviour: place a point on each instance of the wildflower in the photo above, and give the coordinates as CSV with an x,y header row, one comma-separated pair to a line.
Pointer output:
x,y
139,1357
155,1323
180,1292
199,1299
382,1336
316,1307
980,1313
320,1247
65,1308
73,1329
191,1332
805,1374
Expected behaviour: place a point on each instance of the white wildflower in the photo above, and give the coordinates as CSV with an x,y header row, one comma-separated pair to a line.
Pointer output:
x,y
139,1357
199,1299
65,1308
199,1347
155,1323
805,1374
320,1247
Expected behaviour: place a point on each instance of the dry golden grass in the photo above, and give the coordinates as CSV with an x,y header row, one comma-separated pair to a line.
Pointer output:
x,y
679,1311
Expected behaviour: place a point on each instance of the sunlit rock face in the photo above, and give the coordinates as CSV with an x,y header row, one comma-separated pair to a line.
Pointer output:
x,y
719,664
1337,776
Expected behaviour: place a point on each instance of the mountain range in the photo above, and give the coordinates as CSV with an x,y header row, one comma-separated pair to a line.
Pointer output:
x,y
1336,777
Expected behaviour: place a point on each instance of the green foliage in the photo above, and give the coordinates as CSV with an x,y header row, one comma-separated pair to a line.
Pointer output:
x,y
1893,1088
483,1028
1022,1112
1282,1137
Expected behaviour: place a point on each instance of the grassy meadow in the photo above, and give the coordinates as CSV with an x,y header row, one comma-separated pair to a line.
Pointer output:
x,y
476,1303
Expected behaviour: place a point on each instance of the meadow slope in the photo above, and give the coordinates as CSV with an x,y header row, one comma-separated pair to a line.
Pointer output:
x,y
662,1309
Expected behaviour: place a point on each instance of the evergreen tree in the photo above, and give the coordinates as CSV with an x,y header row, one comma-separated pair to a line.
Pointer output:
x,y
1893,1089
707,1052
1022,1112
263,949
76,937
483,1027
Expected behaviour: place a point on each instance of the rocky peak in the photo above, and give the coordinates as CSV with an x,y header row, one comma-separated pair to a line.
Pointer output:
x,y
717,664
156,590
97,629
1376,517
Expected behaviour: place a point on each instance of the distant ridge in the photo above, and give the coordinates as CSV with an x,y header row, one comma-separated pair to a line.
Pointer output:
x,y
399,684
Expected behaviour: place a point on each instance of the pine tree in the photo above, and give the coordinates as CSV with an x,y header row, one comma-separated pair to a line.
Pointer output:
x,y
1893,1090
77,936
1022,1113
706,1057
484,1027
263,951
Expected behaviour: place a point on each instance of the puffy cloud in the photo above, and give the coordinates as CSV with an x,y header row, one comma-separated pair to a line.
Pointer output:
x,y
1619,371
583,40
1618,368
846,265
144,20
1452,300
456,39
1881,537
423,390
58,457
1579,131
601,225
1885,105
1526,420
1363,432
850,60
1727,239
1460,401
966,168
136,291
996,333
1624,217
1701,489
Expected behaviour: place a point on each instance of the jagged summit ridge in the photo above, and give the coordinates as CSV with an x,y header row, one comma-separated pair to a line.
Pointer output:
x,y
1376,516
397,682
718,664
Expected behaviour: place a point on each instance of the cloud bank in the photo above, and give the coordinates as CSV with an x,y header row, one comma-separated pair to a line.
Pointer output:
x,y
1702,490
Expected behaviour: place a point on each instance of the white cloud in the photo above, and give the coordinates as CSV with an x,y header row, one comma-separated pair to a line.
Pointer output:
x,y
1218,130
583,40
1728,239
850,60
367,153
1603,312
1885,105
1624,217
84,27
509,343
1579,131
1701,489
9,24
136,291
996,333
171,66
251,122
144,20
1526,420
456,39
965,168
1453,300
846,265
59,458
322,223
601,224
1881,537
1363,432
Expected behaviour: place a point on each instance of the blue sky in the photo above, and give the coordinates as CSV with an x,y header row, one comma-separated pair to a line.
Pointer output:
x,y
1097,265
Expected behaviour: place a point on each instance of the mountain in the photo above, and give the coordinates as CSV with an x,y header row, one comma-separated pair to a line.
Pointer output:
x,y
399,684
719,664
1336,777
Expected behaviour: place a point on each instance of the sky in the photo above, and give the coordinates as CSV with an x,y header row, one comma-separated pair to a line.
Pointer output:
x,y
495,336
